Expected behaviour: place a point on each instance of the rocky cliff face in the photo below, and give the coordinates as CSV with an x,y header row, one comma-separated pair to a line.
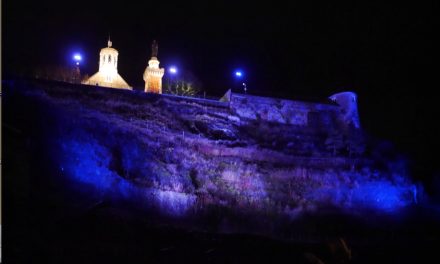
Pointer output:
x,y
183,158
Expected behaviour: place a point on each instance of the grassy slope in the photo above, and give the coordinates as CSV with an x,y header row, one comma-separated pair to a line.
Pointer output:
x,y
238,171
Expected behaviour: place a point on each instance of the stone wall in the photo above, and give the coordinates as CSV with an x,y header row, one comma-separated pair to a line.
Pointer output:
x,y
282,111
348,108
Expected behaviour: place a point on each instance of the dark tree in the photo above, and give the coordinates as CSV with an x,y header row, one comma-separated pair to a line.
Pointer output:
x,y
185,84
58,73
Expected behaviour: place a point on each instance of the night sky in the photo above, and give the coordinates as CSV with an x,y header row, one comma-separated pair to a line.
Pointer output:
x,y
383,52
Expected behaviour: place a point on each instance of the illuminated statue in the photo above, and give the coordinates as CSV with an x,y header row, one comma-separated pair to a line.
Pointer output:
x,y
153,74
154,49
107,75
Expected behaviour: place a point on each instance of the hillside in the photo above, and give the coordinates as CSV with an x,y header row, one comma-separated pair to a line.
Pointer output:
x,y
149,160
179,155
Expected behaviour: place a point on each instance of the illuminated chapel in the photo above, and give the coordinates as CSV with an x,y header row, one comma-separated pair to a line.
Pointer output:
x,y
107,75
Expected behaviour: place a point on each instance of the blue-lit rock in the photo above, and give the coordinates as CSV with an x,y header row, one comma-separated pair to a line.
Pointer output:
x,y
180,156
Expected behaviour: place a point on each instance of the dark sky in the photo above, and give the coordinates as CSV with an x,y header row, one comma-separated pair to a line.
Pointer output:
x,y
384,52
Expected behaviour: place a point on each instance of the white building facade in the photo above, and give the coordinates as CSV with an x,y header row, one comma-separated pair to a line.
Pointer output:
x,y
107,75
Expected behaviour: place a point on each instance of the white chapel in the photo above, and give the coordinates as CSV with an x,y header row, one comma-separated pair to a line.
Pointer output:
x,y
107,75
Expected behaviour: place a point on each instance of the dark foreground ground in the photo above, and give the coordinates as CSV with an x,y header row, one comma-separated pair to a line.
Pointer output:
x,y
42,231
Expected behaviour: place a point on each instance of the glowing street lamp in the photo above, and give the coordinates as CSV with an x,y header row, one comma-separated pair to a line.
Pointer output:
x,y
77,58
173,70
239,75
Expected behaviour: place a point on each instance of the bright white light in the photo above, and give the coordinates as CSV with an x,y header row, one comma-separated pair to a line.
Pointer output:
x,y
77,57
77,63
238,73
173,70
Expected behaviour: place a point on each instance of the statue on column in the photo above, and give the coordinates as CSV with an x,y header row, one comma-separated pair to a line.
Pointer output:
x,y
153,74
154,49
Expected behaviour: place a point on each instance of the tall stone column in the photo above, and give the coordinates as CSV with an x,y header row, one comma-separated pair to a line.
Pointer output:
x,y
153,77
153,74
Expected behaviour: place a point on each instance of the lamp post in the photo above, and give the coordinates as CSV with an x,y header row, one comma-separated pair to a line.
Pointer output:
x,y
173,71
240,75
77,58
